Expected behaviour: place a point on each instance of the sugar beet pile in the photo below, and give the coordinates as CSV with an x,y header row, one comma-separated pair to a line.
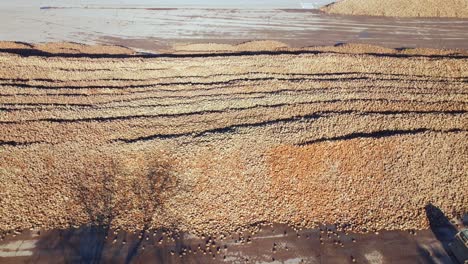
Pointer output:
x,y
359,136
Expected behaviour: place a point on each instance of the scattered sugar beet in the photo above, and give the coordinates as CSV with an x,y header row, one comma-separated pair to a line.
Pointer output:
x,y
360,136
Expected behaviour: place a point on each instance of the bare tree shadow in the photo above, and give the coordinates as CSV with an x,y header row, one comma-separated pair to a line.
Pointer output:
x,y
155,181
105,195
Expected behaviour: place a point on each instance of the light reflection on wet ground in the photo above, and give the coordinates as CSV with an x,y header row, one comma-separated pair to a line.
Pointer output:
x,y
151,29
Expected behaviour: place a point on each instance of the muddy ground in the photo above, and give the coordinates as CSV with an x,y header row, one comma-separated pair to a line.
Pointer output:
x,y
152,30
272,244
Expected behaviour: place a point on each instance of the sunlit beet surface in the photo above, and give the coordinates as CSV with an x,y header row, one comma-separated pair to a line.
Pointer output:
x,y
213,138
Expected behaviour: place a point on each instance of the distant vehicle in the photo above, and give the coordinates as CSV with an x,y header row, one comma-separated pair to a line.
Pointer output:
x,y
459,247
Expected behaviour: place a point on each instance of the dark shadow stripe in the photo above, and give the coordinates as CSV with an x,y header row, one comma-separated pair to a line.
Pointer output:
x,y
264,94
233,74
40,53
379,134
192,76
71,87
214,96
227,129
17,144
232,81
230,109
47,104
232,128
197,99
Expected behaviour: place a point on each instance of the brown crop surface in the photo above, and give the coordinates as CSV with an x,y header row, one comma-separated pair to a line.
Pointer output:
x,y
400,8
354,135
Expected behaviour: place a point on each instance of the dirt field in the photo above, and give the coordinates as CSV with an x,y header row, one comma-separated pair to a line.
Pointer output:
x,y
360,136
400,8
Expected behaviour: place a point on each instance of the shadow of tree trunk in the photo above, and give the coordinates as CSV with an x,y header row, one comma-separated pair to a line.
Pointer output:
x,y
108,193
156,179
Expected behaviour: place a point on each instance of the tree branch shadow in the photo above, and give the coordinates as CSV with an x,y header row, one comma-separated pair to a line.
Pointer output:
x,y
106,194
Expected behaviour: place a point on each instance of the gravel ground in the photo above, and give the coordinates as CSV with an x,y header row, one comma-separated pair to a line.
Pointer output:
x,y
400,8
359,136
